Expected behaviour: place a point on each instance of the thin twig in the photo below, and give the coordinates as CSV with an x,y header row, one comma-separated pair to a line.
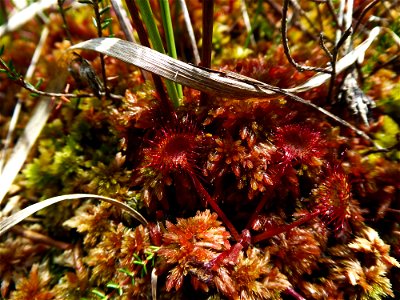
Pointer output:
x,y
396,146
30,134
340,19
324,47
29,87
299,67
389,7
348,21
379,66
275,7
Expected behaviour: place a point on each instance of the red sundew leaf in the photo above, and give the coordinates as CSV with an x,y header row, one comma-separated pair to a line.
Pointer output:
x,y
333,197
300,142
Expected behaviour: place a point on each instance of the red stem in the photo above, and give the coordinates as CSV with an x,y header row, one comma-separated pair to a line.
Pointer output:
x,y
215,207
290,291
269,190
274,231
260,205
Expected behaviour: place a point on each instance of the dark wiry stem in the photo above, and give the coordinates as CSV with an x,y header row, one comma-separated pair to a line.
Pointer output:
x,y
215,207
190,31
100,34
299,67
208,13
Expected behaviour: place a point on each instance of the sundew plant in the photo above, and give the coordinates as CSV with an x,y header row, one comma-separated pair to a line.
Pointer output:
x,y
227,149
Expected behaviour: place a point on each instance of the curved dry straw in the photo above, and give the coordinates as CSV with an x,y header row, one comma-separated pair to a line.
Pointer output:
x,y
16,218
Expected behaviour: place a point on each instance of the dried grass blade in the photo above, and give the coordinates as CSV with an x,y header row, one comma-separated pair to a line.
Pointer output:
x,y
202,79
154,279
24,144
217,83
29,136
17,109
123,20
25,15
16,218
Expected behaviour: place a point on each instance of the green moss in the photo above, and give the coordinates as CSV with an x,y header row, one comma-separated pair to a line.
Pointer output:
x,y
391,105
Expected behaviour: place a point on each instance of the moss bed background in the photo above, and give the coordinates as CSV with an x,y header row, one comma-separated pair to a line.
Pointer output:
x,y
256,198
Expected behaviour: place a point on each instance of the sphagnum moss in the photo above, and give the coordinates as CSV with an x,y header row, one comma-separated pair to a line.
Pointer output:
x,y
245,199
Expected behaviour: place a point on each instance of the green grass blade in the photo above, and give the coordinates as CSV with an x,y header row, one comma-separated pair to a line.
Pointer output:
x,y
169,33
155,38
